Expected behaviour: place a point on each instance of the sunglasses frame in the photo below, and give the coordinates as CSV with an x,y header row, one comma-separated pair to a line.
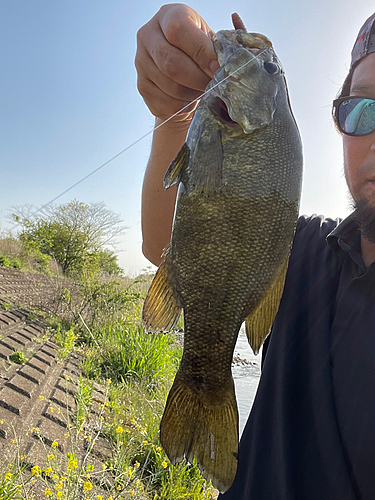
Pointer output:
x,y
336,105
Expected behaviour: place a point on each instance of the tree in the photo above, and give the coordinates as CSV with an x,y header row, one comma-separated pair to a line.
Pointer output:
x,y
73,233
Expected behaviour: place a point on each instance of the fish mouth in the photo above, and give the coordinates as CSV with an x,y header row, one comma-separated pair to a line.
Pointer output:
x,y
221,111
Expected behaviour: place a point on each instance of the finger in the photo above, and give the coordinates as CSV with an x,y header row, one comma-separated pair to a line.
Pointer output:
x,y
176,64
237,22
187,31
162,105
148,70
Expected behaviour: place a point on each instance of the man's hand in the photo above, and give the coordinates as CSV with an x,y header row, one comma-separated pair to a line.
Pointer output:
x,y
175,60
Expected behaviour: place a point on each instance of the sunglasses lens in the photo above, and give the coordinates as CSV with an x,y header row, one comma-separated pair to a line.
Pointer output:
x,y
357,116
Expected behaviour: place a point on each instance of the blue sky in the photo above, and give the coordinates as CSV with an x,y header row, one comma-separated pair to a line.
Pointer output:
x,y
69,102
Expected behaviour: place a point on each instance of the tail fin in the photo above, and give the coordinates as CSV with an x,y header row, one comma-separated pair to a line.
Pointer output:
x,y
192,427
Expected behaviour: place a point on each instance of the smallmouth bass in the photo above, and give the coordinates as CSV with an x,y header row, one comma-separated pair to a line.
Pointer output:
x,y
239,176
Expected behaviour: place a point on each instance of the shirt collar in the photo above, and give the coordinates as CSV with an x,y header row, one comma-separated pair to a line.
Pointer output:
x,y
347,237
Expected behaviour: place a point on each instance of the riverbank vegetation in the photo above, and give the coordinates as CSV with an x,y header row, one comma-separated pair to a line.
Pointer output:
x,y
101,323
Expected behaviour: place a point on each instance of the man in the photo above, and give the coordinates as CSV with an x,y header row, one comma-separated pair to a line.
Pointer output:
x,y
311,431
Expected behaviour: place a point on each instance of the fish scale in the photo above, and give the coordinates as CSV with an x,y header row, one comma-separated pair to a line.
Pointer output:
x,y
239,177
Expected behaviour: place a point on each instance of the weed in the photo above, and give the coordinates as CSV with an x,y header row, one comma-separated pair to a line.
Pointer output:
x,y
11,483
18,357
65,339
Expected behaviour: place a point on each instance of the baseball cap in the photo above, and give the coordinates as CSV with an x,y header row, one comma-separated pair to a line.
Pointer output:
x,y
365,43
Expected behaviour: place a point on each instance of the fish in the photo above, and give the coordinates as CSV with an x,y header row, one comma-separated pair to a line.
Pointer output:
x,y
239,176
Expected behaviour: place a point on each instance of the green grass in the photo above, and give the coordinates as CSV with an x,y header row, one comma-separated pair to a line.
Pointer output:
x,y
129,354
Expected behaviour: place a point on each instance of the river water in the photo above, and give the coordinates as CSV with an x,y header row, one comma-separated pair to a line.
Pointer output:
x,y
246,373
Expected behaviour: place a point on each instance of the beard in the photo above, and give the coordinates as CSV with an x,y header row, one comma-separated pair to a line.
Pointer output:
x,y
364,213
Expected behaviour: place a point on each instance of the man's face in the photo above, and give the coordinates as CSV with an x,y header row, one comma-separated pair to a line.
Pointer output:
x,y
359,152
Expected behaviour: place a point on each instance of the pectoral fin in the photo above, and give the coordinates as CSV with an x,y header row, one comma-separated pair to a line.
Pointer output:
x,y
161,310
175,170
259,322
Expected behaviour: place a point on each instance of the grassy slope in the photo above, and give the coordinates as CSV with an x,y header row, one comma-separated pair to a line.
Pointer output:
x,y
102,322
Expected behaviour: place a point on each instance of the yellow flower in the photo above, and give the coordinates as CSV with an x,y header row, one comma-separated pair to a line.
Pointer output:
x,y
48,471
164,464
47,492
51,456
1,421
59,494
119,429
145,442
119,488
109,381
8,475
87,486
132,421
51,409
87,476
72,464
158,448
131,492
35,470
104,467
136,465
99,497
67,435
41,397
13,441
88,438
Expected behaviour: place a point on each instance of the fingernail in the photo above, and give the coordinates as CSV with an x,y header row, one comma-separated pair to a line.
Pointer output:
x,y
214,66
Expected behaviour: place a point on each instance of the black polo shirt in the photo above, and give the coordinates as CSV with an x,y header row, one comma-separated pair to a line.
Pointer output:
x,y
311,432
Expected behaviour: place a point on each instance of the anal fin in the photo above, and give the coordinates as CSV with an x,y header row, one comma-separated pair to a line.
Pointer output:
x,y
160,309
258,324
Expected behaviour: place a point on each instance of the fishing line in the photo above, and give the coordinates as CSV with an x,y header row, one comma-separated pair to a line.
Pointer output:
x,y
140,139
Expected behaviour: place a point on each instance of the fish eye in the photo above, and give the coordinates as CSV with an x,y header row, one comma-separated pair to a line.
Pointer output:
x,y
271,67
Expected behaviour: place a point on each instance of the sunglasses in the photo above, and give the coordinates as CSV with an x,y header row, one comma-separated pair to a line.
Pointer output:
x,y
355,115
